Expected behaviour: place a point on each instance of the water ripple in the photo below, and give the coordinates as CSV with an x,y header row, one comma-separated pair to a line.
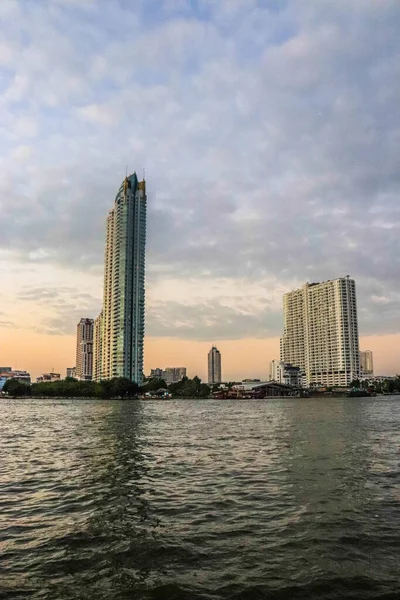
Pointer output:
x,y
286,499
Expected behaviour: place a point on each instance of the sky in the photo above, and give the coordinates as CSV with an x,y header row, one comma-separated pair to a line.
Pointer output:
x,y
269,131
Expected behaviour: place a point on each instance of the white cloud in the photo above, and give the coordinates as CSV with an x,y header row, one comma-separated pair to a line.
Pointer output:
x,y
26,127
269,133
95,113
21,153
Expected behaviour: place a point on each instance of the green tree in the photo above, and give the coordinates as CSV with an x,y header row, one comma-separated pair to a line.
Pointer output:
x,y
124,388
119,387
189,388
154,384
13,387
204,390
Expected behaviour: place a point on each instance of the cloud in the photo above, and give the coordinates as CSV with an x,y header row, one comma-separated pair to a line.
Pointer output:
x,y
269,133
97,114
64,307
209,320
21,153
4,324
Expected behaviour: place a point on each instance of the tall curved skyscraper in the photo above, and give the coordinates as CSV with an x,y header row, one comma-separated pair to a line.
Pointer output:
x,y
124,278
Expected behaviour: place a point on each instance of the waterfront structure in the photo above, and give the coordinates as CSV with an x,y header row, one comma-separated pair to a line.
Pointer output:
x,y
366,364
84,349
382,378
8,373
169,374
286,373
71,372
122,327
254,389
214,365
48,377
321,332
98,332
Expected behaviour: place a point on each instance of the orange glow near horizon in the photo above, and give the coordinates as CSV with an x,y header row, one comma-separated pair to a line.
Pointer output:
x,y
244,358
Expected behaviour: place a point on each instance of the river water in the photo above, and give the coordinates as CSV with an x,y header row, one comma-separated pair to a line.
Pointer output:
x,y
277,499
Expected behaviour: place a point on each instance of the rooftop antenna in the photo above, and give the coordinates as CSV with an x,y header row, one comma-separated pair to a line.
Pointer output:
x,y
126,171
144,174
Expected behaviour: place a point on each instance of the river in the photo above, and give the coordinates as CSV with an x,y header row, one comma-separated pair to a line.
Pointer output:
x,y
275,499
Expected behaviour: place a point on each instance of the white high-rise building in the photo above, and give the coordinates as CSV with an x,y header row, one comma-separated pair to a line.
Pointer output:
x,y
321,332
84,349
366,364
214,365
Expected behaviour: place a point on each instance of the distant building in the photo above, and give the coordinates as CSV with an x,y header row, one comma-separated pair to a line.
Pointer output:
x,y
98,347
214,365
156,373
84,349
286,373
8,373
48,377
169,374
382,378
321,332
174,374
366,364
71,372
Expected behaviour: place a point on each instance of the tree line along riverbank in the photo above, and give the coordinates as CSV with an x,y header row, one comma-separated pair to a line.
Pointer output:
x,y
118,387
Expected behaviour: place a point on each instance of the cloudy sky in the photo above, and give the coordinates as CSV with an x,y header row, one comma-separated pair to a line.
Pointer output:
x,y
270,135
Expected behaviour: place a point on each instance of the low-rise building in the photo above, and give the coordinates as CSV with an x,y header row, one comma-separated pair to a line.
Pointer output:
x,y
287,374
169,374
71,372
380,378
8,373
48,377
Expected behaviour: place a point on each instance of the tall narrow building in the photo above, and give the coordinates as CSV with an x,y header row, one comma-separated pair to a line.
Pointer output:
x,y
84,349
106,353
366,364
214,365
124,275
98,347
321,332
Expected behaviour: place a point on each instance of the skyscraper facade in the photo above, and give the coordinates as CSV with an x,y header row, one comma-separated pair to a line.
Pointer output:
x,y
106,351
122,328
98,347
84,349
321,332
366,364
214,365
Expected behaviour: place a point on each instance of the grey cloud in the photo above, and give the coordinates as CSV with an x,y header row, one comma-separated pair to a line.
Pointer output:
x,y
66,306
208,321
274,155
45,294
7,324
